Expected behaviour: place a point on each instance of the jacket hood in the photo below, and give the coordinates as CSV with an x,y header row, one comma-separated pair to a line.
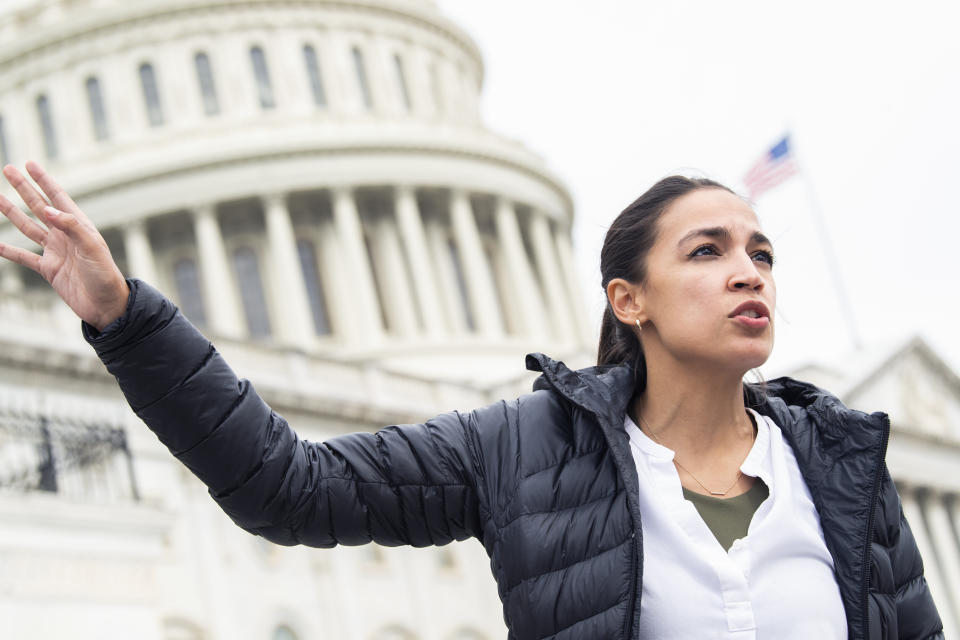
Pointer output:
x,y
603,390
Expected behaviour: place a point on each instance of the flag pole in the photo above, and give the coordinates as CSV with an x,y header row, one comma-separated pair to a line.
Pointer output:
x,y
833,265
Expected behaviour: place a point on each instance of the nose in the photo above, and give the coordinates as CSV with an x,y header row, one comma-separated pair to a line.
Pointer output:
x,y
746,276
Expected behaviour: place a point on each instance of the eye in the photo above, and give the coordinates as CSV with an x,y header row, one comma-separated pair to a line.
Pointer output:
x,y
704,250
763,256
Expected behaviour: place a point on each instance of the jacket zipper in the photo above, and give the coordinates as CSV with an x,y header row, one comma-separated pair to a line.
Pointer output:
x,y
874,494
631,607
606,427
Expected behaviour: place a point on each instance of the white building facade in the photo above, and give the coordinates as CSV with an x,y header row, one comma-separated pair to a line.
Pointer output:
x,y
311,183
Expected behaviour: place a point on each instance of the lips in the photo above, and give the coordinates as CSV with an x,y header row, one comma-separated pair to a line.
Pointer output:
x,y
751,309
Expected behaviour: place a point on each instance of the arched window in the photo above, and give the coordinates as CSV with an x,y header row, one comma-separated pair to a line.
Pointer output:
x,y
4,152
313,73
283,632
98,114
446,559
189,291
314,285
181,629
151,96
46,125
394,632
262,75
251,292
401,81
208,90
360,68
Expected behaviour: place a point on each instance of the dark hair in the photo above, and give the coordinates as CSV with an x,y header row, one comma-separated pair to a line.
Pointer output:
x,y
624,255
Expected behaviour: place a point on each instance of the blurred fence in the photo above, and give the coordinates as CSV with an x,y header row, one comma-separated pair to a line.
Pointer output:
x,y
76,459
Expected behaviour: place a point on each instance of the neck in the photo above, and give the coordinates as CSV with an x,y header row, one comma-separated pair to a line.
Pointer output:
x,y
696,410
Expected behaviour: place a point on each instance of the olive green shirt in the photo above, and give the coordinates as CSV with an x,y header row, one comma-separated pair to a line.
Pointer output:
x,y
729,518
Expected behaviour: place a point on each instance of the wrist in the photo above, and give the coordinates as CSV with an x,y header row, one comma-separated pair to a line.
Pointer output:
x,y
116,309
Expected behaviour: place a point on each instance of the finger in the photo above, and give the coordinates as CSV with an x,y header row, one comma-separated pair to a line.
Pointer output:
x,y
57,196
82,235
20,256
23,222
66,222
31,197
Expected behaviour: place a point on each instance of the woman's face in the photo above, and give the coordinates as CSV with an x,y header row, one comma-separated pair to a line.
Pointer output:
x,y
709,294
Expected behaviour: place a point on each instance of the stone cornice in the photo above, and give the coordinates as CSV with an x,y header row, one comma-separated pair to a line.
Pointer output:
x,y
188,166
121,518
34,358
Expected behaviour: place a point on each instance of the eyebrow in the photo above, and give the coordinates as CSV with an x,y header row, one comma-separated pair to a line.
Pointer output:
x,y
722,233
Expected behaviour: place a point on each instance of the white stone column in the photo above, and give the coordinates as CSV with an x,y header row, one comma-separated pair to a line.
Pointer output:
x,y
223,307
336,281
587,334
333,61
397,294
366,324
527,300
480,288
931,571
946,545
555,290
291,90
140,258
294,321
438,243
11,281
410,225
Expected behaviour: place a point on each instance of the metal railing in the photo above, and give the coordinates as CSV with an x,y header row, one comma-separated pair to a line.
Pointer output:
x,y
74,458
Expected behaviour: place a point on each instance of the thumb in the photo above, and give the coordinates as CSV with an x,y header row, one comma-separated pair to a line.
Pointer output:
x,y
66,222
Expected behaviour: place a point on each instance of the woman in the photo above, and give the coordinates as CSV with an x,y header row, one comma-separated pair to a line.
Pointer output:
x,y
653,496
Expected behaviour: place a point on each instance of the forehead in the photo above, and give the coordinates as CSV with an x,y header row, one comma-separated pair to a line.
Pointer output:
x,y
706,208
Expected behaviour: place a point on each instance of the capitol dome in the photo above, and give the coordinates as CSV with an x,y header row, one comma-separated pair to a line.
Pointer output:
x,y
308,175
312,183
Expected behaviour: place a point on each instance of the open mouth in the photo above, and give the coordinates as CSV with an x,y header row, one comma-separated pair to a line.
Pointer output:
x,y
753,313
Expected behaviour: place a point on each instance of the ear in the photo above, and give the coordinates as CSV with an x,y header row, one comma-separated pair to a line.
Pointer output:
x,y
626,300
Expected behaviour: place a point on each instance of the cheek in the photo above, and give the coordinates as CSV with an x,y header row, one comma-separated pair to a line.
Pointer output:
x,y
687,306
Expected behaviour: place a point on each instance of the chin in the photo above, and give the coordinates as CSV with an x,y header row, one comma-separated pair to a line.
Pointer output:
x,y
753,358
749,356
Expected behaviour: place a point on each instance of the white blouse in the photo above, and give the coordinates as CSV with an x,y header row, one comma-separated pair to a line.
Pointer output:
x,y
777,582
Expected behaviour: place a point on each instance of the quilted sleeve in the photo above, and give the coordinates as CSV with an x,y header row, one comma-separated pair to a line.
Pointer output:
x,y
409,484
916,613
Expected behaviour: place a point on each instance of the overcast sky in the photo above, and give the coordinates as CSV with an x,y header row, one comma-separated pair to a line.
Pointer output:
x,y
617,94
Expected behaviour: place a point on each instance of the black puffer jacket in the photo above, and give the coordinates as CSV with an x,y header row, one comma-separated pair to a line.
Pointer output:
x,y
546,482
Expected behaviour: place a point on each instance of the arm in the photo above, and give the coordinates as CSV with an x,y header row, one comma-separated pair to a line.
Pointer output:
x,y
408,484
415,484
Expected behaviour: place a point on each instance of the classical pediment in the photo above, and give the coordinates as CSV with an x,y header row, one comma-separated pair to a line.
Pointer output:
x,y
910,382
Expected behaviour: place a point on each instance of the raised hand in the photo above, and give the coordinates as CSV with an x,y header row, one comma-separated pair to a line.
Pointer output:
x,y
75,258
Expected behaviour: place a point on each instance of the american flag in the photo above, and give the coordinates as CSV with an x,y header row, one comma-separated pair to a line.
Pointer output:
x,y
774,167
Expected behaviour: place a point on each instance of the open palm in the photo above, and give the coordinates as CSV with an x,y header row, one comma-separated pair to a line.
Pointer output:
x,y
75,259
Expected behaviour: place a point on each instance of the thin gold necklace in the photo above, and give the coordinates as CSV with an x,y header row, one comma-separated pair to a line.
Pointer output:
x,y
677,462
